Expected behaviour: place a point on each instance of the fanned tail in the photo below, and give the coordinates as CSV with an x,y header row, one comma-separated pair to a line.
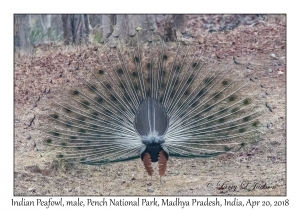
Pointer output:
x,y
211,105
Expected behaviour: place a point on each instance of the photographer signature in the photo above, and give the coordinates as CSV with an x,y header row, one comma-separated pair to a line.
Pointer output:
x,y
244,185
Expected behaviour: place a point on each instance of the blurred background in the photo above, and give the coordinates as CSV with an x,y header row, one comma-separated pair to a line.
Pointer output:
x,y
34,32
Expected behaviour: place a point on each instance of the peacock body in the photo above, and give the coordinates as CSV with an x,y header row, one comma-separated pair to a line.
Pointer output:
x,y
153,100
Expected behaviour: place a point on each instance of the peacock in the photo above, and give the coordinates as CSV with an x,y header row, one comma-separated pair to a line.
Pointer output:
x,y
153,97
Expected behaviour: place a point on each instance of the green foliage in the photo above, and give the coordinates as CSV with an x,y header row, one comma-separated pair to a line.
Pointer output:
x,y
97,37
38,36
53,36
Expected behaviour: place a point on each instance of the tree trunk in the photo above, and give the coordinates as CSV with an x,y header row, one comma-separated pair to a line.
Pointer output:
x,y
86,28
108,22
66,19
76,29
21,32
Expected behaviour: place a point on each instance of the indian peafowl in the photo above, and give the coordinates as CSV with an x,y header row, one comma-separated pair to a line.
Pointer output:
x,y
153,100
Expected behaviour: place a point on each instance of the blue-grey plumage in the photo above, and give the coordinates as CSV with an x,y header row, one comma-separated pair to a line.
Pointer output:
x,y
151,121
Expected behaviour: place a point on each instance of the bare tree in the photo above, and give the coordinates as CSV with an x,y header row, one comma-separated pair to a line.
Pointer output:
x,y
76,29
32,30
121,26
21,31
45,21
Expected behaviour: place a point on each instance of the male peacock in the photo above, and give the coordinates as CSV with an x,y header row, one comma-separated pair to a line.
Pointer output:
x,y
153,99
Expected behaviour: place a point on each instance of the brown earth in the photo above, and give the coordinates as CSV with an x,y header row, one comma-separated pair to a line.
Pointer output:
x,y
37,172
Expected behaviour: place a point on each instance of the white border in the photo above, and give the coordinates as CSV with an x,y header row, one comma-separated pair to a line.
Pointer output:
x,y
152,6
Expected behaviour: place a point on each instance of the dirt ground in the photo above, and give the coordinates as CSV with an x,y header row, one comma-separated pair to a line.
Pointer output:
x,y
256,170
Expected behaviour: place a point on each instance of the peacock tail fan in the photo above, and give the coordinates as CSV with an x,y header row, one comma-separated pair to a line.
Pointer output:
x,y
154,100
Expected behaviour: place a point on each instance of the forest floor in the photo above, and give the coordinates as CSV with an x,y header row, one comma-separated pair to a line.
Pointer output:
x,y
263,166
